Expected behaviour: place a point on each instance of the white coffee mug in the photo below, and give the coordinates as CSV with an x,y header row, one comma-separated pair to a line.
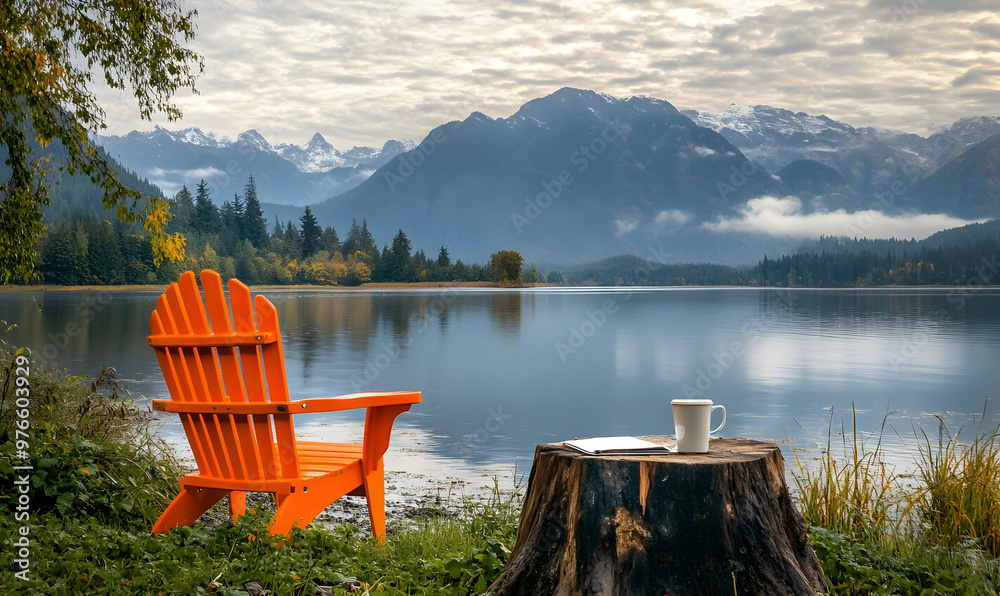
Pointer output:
x,y
692,421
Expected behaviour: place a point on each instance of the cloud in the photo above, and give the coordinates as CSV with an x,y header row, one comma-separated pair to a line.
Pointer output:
x,y
170,180
671,216
784,217
196,173
361,71
977,76
666,222
625,225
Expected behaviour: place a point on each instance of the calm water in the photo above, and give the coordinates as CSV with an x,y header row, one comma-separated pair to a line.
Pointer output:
x,y
502,371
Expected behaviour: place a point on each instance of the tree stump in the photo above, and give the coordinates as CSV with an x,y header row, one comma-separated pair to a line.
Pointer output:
x,y
716,524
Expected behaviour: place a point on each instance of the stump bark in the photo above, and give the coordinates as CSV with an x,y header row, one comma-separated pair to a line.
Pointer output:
x,y
712,524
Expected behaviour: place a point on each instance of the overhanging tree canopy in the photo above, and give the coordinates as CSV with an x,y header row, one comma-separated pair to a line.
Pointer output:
x,y
54,51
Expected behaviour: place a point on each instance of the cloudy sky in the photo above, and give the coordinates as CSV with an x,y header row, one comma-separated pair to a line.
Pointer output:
x,y
361,72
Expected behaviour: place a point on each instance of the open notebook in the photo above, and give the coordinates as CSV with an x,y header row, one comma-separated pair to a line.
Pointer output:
x,y
617,446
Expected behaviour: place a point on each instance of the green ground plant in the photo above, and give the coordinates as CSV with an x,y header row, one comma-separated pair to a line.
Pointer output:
x,y
962,496
877,532
100,479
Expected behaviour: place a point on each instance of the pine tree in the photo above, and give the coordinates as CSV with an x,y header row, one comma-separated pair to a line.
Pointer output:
x,y
293,241
104,257
237,226
530,276
244,263
353,239
366,243
206,214
311,233
418,266
64,255
397,266
231,214
443,259
183,209
254,226
229,232
329,240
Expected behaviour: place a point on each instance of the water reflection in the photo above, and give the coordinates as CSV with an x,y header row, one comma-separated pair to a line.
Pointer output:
x,y
489,365
506,311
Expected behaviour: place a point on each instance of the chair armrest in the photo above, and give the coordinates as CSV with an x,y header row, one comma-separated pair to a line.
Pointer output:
x,y
354,401
303,406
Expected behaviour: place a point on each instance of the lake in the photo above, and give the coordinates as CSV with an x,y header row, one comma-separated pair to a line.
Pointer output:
x,y
502,371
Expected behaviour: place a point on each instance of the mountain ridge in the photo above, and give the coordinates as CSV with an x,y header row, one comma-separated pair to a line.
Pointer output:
x,y
579,174
290,174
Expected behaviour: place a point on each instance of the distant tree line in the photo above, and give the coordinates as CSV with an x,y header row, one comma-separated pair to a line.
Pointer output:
x,y
629,270
944,265
969,257
234,240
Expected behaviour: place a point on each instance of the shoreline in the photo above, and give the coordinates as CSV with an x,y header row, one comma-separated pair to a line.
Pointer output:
x,y
418,285
408,498
422,285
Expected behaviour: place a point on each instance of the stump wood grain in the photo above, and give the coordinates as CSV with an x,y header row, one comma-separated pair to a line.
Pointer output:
x,y
713,524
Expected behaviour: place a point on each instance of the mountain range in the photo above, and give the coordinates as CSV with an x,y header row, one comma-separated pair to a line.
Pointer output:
x,y
580,175
285,173
869,160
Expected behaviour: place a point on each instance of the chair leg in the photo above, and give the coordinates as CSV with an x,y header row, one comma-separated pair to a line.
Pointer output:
x,y
237,504
297,510
374,483
187,507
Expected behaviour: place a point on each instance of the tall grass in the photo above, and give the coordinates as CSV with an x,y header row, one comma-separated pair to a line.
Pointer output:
x,y
91,449
962,495
857,494
879,532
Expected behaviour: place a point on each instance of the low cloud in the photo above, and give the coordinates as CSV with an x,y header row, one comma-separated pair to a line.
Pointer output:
x,y
196,173
784,217
170,181
666,221
624,226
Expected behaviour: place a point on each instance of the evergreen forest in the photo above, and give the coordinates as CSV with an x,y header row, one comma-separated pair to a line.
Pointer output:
x,y
237,241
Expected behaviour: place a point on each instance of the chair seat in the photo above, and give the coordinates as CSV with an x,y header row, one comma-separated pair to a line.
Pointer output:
x,y
317,458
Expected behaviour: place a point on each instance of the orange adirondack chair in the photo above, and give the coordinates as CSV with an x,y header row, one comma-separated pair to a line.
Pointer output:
x,y
226,377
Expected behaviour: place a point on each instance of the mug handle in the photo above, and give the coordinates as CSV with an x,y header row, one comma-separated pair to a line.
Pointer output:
x,y
714,408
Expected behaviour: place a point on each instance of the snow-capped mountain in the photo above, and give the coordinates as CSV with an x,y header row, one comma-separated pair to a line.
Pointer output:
x,y
870,160
285,174
191,136
256,141
318,155
746,125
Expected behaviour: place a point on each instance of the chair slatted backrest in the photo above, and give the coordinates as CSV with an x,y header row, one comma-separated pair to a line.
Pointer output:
x,y
226,367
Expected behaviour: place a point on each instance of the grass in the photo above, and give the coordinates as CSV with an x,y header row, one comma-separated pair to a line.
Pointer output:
x,y
879,532
100,479
852,495
962,496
